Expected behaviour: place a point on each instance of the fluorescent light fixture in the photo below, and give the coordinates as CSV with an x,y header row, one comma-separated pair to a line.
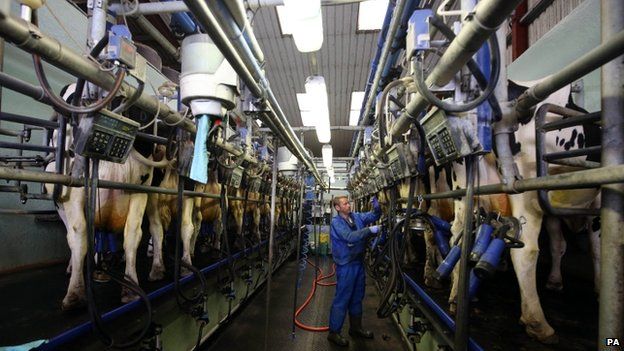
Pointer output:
x,y
371,14
327,153
317,95
305,108
285,21
304,20
356,106
330,172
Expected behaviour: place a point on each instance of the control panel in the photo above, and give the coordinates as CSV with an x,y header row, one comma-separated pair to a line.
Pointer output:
x,y
106,136
236,177
441,139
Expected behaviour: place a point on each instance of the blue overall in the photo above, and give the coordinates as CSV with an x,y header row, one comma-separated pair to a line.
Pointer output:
x,y
348,244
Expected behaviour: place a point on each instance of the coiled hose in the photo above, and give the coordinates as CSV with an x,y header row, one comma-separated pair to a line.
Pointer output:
x,y
315,282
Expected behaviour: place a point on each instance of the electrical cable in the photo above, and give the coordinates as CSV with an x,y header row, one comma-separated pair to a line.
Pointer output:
x,y
424,91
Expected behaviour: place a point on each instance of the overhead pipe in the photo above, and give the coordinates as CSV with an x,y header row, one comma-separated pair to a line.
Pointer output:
x,y
156,8
29,38
241,58
477,28
237,9
389,29
611,302
153,32
397,43
610,48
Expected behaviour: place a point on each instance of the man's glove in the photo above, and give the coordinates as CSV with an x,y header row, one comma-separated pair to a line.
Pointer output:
x,y
375,202
375,229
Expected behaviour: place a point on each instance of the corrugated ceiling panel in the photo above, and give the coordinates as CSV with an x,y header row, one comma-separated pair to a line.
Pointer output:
x,y
344,61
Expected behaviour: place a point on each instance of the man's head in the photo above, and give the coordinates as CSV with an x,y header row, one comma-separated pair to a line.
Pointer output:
x,y
342,205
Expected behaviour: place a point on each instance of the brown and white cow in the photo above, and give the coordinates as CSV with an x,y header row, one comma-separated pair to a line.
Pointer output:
x,y
116,211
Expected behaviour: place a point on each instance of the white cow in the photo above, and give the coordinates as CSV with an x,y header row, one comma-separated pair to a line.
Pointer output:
x,y
526,206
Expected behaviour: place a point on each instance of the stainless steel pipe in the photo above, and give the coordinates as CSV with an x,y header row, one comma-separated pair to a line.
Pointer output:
x,y
477,28
240,56
611,47
30,38
611,302
385,51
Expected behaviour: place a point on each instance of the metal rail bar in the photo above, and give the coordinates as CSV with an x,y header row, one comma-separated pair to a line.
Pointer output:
x,y
53,178
592,150
572,121
27,147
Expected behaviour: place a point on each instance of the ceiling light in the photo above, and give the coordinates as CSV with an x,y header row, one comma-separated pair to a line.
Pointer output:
x,y
306,23
285,21
356,106
371,14
327,153
317,95
305,108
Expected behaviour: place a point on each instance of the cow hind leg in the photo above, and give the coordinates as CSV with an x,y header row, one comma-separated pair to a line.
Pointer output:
x,y
187,235
525,262
156,230
430,261
593,228
557,250
76,238
132,238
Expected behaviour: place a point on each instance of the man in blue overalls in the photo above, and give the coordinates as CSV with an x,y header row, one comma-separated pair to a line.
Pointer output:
x,y
348,238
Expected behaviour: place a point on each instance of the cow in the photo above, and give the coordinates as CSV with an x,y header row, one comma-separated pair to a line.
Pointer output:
x,y
116,211
525,206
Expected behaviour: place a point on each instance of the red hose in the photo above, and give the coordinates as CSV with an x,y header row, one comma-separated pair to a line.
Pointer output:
x,y
315,282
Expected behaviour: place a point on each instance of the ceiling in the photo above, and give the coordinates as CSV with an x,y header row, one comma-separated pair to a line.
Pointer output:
x,y
344,62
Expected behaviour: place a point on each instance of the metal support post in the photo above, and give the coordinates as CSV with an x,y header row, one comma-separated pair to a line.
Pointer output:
x,y
611,306
271,242
463,298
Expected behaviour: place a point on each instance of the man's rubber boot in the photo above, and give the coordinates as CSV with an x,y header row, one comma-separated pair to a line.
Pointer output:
x,y
355,328
337,339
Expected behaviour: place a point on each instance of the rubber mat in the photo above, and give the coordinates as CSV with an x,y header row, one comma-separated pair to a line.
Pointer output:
x,y
247,329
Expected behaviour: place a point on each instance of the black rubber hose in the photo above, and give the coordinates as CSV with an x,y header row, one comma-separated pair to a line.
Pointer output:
x,y
197,298
94,315
472,66
422,88
64,106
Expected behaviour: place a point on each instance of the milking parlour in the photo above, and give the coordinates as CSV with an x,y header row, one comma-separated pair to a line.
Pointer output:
x,y
385,175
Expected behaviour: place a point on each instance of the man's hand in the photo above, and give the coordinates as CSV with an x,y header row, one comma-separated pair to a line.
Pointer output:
x,y
375,229
375,202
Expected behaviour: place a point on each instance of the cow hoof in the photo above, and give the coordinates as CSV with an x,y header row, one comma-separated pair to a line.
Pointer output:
x,y
554,286
156,274
452,308
433,283
185,271
546,335
73,302
128,296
